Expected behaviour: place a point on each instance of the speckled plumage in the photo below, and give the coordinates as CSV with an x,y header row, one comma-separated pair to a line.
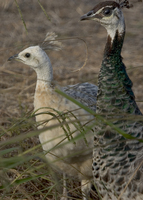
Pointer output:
x,y
84,93
115,86
115,157
75,157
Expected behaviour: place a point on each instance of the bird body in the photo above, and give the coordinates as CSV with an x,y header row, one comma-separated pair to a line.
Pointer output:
x,y
46,99
67,154
118,161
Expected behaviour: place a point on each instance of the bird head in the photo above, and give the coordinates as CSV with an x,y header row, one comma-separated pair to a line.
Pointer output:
x,y
32,56
108,13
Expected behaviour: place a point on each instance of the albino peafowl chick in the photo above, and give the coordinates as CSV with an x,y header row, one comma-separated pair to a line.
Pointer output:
x,y
118,161
76,155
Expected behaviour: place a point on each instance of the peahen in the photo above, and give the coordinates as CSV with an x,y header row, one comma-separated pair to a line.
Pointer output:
x,y
71,156
117,161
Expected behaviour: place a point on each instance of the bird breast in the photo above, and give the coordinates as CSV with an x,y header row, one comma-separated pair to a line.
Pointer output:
x,y
62,140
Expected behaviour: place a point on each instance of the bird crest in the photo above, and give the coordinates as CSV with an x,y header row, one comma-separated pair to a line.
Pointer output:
x,y
50,42
126,3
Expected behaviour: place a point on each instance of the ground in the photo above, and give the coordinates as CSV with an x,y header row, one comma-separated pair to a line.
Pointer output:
x,y
17,81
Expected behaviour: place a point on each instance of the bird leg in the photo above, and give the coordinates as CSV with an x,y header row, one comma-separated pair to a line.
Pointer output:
x,y
85,188
64,197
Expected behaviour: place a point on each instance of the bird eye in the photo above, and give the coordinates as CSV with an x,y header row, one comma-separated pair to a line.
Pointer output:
x,y
107,11
27,55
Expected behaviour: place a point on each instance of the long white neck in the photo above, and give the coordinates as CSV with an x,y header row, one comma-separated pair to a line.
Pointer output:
x,y
45,72
44,93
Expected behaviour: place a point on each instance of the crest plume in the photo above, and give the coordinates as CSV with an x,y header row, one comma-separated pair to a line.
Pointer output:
x,y
50,42
126,3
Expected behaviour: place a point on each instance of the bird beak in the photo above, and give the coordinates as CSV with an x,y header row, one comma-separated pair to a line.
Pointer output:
x,y
15,57
88,16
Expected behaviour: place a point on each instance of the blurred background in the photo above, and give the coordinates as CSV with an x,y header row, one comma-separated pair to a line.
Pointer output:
x,y
17,81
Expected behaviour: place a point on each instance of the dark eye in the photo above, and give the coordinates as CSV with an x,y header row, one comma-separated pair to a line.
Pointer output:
x,y
27,55
107,11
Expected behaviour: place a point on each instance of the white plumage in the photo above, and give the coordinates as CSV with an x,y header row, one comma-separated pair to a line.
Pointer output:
x,y
76,155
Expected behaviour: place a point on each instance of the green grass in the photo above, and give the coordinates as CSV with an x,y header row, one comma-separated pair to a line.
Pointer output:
x,y
24,170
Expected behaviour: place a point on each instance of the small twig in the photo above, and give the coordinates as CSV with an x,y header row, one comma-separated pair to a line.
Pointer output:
x,y
86,58
21,16
73,38
44,10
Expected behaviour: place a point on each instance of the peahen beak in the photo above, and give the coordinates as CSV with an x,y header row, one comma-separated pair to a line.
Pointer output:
x,y
88,16
15,57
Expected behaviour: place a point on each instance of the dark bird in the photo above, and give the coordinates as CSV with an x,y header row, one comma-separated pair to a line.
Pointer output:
x,y
117,161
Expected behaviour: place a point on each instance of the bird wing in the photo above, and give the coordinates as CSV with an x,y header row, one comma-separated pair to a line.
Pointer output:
x,y
85,93
117,158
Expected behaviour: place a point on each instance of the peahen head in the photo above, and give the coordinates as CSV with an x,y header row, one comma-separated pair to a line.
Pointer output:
x,y
109,14
36,58
32,56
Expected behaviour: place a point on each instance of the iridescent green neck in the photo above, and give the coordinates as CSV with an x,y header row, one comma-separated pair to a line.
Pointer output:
x,y
115,87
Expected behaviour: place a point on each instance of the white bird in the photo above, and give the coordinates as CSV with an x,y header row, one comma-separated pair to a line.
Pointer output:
x,y
75,157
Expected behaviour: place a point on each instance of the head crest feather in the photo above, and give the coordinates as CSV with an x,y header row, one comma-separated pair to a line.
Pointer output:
x,y
126,3
50,42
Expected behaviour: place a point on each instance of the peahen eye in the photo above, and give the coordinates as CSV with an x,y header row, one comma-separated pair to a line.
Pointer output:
x,y
27,55
107,11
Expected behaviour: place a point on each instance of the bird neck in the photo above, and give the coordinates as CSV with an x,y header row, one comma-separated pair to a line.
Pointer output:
x,y
45,95
115,87
45,73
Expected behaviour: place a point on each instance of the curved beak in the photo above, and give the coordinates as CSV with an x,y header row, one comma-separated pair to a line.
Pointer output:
x,y
15,57
88,16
